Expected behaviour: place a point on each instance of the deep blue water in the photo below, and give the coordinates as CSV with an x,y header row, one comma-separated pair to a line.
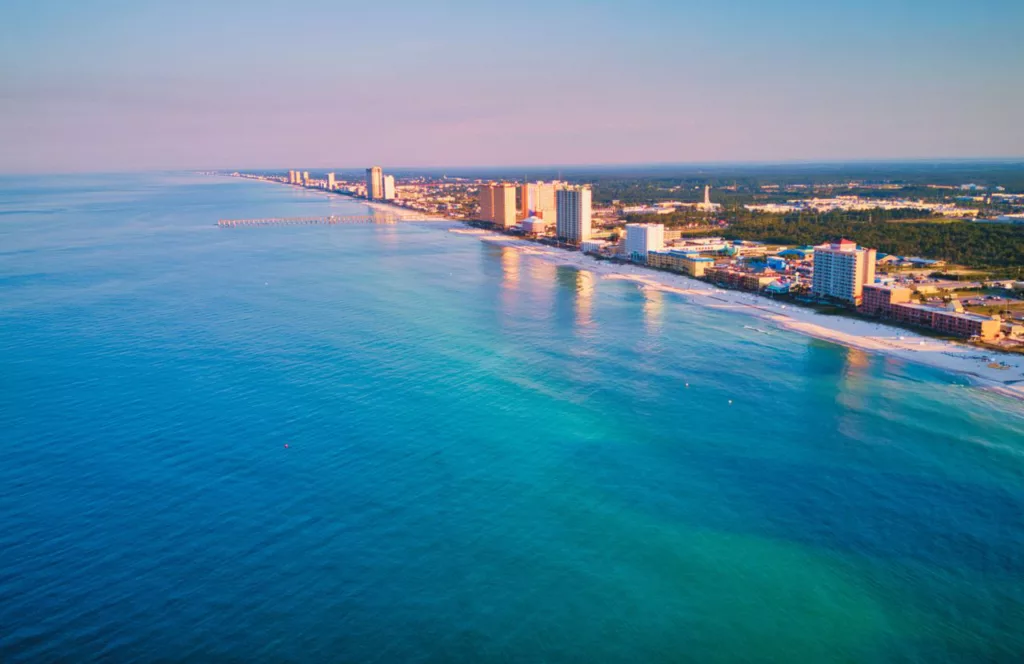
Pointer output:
x,y
489,458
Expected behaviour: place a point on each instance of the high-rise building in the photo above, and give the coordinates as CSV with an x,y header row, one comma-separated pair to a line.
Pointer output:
x,y
389,187
330,181
643,238
498,204
292,179
841,270
374,183
305,178
537,199
573,211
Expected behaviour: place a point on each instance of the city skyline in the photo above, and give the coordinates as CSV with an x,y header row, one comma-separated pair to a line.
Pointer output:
x,y
110,87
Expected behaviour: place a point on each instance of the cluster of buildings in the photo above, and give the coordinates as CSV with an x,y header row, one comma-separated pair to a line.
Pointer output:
x,y
299,177
379,187
538,208
442,195
668,207
846,203
840,272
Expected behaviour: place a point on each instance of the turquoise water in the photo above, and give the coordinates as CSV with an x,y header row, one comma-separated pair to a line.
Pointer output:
x,y
488,458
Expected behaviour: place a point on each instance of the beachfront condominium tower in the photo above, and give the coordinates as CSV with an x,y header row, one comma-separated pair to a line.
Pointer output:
x,y
389,187
537,199
644,238
841,270
573,212
330,181
374,183
498,204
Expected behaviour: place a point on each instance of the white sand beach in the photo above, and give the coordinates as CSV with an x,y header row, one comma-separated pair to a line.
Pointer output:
x,y
1002,372
403,213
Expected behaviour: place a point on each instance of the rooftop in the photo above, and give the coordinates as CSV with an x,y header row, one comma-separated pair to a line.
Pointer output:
x,y
943,310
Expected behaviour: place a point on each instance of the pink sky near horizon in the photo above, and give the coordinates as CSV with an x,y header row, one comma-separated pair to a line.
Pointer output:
x,y
147,87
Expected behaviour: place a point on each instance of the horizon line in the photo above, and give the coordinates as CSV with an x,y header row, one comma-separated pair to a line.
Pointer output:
x,y
592,165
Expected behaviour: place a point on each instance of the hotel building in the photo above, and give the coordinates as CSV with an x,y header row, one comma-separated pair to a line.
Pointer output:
x,y
680,261
573,211
389,187
733,277
537,199
701,244
841,270
498,204
894,303
374,183
330,181
644,238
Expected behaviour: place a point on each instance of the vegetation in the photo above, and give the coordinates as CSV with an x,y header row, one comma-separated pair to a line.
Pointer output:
x,y
965,243
681,217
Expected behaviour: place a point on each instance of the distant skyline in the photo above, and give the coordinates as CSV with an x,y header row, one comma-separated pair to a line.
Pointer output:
x,y
109,85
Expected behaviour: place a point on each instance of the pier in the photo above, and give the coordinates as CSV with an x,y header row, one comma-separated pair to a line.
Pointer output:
x,y
295,221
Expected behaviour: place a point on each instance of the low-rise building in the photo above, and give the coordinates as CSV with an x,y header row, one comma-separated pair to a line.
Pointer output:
x,y
701,244
797,253
894,303
740,248
593,246
679,261
535,226
734,277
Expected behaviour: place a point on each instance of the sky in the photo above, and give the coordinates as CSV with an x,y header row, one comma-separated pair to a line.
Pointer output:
x,y
122,85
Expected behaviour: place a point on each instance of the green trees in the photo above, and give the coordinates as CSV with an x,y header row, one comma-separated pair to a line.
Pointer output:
x,y
963,242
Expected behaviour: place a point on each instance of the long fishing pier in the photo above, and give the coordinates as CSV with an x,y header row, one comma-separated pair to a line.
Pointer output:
x,y
295,221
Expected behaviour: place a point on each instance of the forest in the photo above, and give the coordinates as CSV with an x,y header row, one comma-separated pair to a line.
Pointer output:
x,y
962,242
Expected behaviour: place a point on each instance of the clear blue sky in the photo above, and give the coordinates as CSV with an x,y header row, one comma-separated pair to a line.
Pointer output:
x,y
123,85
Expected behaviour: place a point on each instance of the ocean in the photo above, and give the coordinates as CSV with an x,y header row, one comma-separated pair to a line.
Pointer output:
x,y
392,443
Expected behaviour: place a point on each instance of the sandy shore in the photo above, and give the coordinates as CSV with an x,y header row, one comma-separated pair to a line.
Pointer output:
x,y
405,214
997,371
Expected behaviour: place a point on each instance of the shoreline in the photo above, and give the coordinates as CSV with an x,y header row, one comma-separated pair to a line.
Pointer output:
x,y
403,213
863,334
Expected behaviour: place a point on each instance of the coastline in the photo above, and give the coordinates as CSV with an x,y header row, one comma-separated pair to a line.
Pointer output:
x,y
863,334
403,213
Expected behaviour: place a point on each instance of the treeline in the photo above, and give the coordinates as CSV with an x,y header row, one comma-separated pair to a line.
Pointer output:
x,y
681,217
838,216
965,243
